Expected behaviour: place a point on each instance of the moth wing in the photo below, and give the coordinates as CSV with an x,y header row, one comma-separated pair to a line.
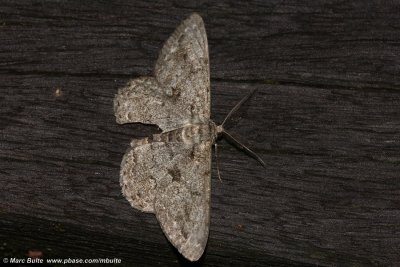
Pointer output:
x,y
180,92
173,181
136,177
182,69
182,205
143,100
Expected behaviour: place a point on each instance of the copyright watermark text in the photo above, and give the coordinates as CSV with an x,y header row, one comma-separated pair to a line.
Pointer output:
x,y
12,260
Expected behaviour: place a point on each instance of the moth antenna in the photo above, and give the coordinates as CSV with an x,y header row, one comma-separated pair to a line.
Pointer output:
x,y
242,147
238,105
216,158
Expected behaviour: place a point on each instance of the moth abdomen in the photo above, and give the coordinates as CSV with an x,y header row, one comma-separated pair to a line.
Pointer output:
x,y
190,134
140,142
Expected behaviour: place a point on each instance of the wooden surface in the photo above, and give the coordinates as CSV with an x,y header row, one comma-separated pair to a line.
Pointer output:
x,y
325,119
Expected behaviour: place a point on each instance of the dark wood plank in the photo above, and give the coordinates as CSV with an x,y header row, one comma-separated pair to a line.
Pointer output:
x,y
325,118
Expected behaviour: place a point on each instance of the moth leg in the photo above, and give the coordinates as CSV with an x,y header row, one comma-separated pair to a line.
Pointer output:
x,y
217,161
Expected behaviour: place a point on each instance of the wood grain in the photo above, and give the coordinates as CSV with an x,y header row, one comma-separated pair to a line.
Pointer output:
x,y
325,119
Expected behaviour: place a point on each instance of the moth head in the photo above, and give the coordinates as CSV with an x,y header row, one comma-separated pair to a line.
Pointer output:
x,y
219,129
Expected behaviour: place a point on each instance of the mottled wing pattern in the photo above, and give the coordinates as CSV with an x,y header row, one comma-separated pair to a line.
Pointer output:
x,y
137,176
143,100
173,181
180,92
183,68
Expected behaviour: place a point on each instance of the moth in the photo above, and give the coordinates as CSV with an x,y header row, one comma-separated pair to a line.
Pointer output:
x,y
169,174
